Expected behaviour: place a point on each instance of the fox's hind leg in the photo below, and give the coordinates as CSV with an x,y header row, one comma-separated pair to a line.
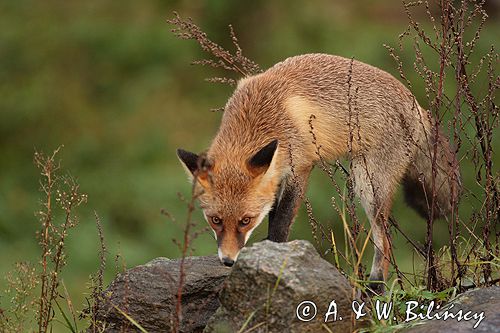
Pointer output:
x,y
376,177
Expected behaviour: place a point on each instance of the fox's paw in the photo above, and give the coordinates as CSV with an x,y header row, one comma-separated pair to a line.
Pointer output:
x,y
375,288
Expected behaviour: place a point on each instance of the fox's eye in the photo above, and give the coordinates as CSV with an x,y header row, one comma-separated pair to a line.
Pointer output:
x,y
245,221
216,220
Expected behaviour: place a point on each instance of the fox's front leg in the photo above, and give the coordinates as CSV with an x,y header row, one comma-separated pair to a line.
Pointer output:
x,y
283,213
285,208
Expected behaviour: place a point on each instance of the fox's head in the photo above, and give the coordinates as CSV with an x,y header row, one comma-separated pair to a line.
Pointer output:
x,y
237,192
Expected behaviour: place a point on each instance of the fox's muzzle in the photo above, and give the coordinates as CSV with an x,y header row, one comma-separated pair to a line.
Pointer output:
x,y
228,256
229,243
227,261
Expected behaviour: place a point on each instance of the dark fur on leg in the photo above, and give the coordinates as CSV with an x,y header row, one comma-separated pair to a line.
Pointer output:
x,y
283,214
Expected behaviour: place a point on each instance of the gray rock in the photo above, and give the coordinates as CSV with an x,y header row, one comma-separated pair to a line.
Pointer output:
x,y
267,283
147,294
485,300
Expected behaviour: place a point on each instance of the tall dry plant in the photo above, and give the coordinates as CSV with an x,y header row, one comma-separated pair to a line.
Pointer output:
x,y
461,103
96,286
61,192
190,231
61,196
234,62
231,61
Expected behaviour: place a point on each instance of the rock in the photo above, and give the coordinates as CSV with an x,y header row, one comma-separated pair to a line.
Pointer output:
x,y
485,300
147,293
270,280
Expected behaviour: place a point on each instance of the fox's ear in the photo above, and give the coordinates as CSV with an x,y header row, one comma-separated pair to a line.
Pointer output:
x,y
189,160
260,162
195,165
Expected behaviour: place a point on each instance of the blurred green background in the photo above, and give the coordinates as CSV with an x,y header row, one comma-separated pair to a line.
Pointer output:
x,y
110,82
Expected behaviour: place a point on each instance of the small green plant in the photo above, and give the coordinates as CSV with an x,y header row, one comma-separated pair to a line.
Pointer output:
x,y
388,312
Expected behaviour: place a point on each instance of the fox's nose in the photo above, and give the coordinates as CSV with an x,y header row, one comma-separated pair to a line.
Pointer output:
x,y
228,261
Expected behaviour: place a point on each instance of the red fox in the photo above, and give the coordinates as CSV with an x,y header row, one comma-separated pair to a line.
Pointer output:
x,y
280,123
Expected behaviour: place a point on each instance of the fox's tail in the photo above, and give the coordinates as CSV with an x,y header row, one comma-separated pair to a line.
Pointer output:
x,y
418,185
